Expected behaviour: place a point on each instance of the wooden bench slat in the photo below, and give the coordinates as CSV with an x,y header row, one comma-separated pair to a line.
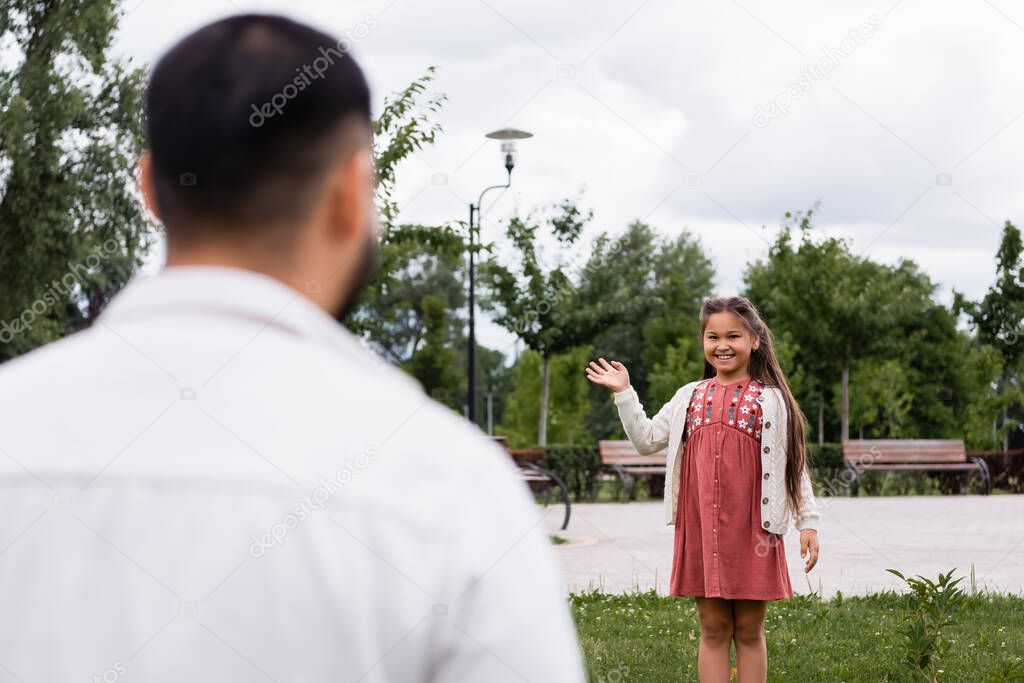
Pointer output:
x,y
892,448
908,457
641,460
622,453
922,451
921,466
645,470
631,453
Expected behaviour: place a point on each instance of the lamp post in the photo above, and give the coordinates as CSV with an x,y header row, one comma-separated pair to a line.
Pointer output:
x,y
508,136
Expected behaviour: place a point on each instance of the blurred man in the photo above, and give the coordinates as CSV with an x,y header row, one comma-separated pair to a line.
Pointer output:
x,y
217,481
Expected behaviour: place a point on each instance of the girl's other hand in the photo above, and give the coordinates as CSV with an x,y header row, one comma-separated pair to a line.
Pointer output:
x,y
809,547
612,375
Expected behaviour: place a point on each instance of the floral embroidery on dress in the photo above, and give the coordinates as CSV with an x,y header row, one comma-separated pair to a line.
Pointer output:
x,y
695,417
744,395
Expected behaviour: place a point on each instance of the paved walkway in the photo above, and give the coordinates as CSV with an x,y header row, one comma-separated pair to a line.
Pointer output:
x,y
618,547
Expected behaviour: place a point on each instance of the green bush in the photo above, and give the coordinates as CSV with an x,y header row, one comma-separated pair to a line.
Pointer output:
x,y
825,455
578,466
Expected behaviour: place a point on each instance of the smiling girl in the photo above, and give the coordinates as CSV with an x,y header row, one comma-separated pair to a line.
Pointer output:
x,y
736,474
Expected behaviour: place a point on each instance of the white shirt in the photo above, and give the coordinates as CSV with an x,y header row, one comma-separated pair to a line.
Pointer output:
x,y
218,482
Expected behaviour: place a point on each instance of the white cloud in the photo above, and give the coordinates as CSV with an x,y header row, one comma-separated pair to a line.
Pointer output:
x,y
934,91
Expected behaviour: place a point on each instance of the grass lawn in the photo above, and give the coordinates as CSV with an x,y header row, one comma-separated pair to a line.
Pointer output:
x,y
647,637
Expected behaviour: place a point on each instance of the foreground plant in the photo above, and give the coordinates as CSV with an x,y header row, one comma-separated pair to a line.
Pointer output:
x,y
932,610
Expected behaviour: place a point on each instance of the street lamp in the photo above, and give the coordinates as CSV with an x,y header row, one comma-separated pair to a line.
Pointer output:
x,y
508,136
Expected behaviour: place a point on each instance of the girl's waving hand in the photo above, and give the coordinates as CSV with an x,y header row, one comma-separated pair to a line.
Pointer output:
x,y
612,375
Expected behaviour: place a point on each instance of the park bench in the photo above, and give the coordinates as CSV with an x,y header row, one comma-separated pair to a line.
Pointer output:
x,y
921,455
621,459
536,477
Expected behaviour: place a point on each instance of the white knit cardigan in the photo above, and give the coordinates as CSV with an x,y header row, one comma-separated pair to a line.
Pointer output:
x,y
666,430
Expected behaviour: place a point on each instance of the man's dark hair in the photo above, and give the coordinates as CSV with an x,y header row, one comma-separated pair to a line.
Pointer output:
x,y
245,117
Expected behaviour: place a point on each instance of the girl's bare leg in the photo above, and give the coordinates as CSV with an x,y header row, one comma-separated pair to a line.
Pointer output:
x,y
751,648
716,633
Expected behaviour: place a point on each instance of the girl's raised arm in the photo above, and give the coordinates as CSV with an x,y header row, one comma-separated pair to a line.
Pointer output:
x,y
648,436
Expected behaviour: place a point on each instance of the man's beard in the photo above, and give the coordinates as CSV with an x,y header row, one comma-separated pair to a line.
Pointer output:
x,y
365,269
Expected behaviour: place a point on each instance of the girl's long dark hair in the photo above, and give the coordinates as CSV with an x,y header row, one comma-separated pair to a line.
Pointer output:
x,y
764,367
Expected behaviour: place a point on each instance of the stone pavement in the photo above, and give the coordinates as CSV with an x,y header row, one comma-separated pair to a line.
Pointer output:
x,y
618,547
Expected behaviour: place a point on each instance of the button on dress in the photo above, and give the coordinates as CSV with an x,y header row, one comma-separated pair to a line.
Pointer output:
x,y
721,549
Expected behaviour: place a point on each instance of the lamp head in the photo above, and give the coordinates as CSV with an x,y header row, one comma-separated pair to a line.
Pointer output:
x,y
508,146
509,150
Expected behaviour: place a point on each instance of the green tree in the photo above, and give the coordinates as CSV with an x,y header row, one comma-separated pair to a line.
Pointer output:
x,y
983,417
412,310
494,380
837,310
399,312
810,290
643,295
71,228
433,361
920,333
681,362
998,321
534,301
403,128
880,399
672,347
569,404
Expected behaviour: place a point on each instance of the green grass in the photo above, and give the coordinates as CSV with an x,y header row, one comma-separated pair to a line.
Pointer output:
x,y
647,637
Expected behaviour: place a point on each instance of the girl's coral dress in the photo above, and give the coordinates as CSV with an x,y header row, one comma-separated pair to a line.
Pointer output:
x,y
721,550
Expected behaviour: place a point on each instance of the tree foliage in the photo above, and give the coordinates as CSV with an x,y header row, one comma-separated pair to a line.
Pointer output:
x,y
72,231
832,309
644,293
998,323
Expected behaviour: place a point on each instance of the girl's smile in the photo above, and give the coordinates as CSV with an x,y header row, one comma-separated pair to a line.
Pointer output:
x,y
728,345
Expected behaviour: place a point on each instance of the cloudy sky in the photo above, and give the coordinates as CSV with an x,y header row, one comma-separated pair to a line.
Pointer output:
x,y
902,118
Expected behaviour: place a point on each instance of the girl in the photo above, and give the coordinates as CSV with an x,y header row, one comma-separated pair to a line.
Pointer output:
x,y
736,471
